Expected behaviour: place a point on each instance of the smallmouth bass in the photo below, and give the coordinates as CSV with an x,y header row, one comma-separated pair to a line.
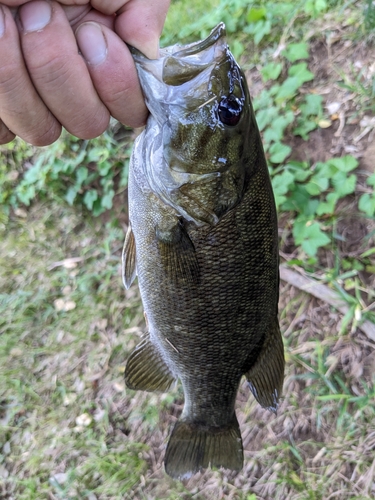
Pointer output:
x,y
203,241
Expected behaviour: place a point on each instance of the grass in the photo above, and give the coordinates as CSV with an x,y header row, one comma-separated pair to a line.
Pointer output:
x,y
69,429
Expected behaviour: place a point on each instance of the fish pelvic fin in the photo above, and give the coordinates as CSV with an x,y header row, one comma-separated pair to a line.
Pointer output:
x,y
193,447
178,255
266,376
146,370
129,261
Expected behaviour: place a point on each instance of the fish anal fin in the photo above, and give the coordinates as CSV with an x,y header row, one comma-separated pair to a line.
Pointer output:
x,y
129,261
193,447
146,370
178,255
266,375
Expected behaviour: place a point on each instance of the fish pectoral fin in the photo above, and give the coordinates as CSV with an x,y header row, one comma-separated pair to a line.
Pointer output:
x,y
146,370
266,376
193,447
178,255
129,261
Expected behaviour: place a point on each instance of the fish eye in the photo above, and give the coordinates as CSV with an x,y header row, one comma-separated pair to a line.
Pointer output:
x,y
229,110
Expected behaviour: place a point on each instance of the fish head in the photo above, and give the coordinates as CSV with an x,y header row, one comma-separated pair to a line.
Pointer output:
x,y
200,105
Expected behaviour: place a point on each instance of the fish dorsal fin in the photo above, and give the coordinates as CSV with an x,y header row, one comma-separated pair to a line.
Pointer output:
x,y
146,370
178,255
266,376
129,268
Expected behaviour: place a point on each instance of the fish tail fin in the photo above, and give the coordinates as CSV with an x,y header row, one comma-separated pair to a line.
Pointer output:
x,y
193,447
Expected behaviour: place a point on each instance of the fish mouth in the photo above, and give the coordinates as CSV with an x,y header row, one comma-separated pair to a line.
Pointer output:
x,y
179,64
193,48
184,50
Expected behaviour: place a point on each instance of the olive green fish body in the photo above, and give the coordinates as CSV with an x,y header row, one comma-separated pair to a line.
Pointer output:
x,y
203,241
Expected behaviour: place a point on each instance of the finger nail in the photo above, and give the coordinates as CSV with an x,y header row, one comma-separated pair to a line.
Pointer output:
x,y
2,22
35,16
92,43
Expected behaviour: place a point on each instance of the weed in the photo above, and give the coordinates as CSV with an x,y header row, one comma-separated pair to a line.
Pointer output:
x,y
369,15
84,172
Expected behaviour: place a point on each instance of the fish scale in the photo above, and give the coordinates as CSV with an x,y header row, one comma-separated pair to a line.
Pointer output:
x,y
205,251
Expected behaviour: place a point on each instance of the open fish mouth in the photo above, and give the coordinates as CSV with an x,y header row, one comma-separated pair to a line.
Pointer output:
x,y
197,47
180,64
188,50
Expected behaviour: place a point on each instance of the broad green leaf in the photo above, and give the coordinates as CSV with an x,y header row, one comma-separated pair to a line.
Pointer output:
x,y
282,182
301,72
320,5
32,174
343,184
104,167
304,127
97,155
371,180
271,71
107,199
310,236
297,200
288,88
263,100
90,197
71,195
279,152
309,209
59,166
317,185
367,204
81,175
25,193
345,163
301,170
296,51
325,169
266,116
315,7
275,131
328,206
256,14
299,228
312,105
262,29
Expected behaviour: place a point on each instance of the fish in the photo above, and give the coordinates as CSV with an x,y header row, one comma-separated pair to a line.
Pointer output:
x,y
203,241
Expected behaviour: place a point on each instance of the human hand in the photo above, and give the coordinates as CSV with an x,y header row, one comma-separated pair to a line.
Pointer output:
x,y
45,83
